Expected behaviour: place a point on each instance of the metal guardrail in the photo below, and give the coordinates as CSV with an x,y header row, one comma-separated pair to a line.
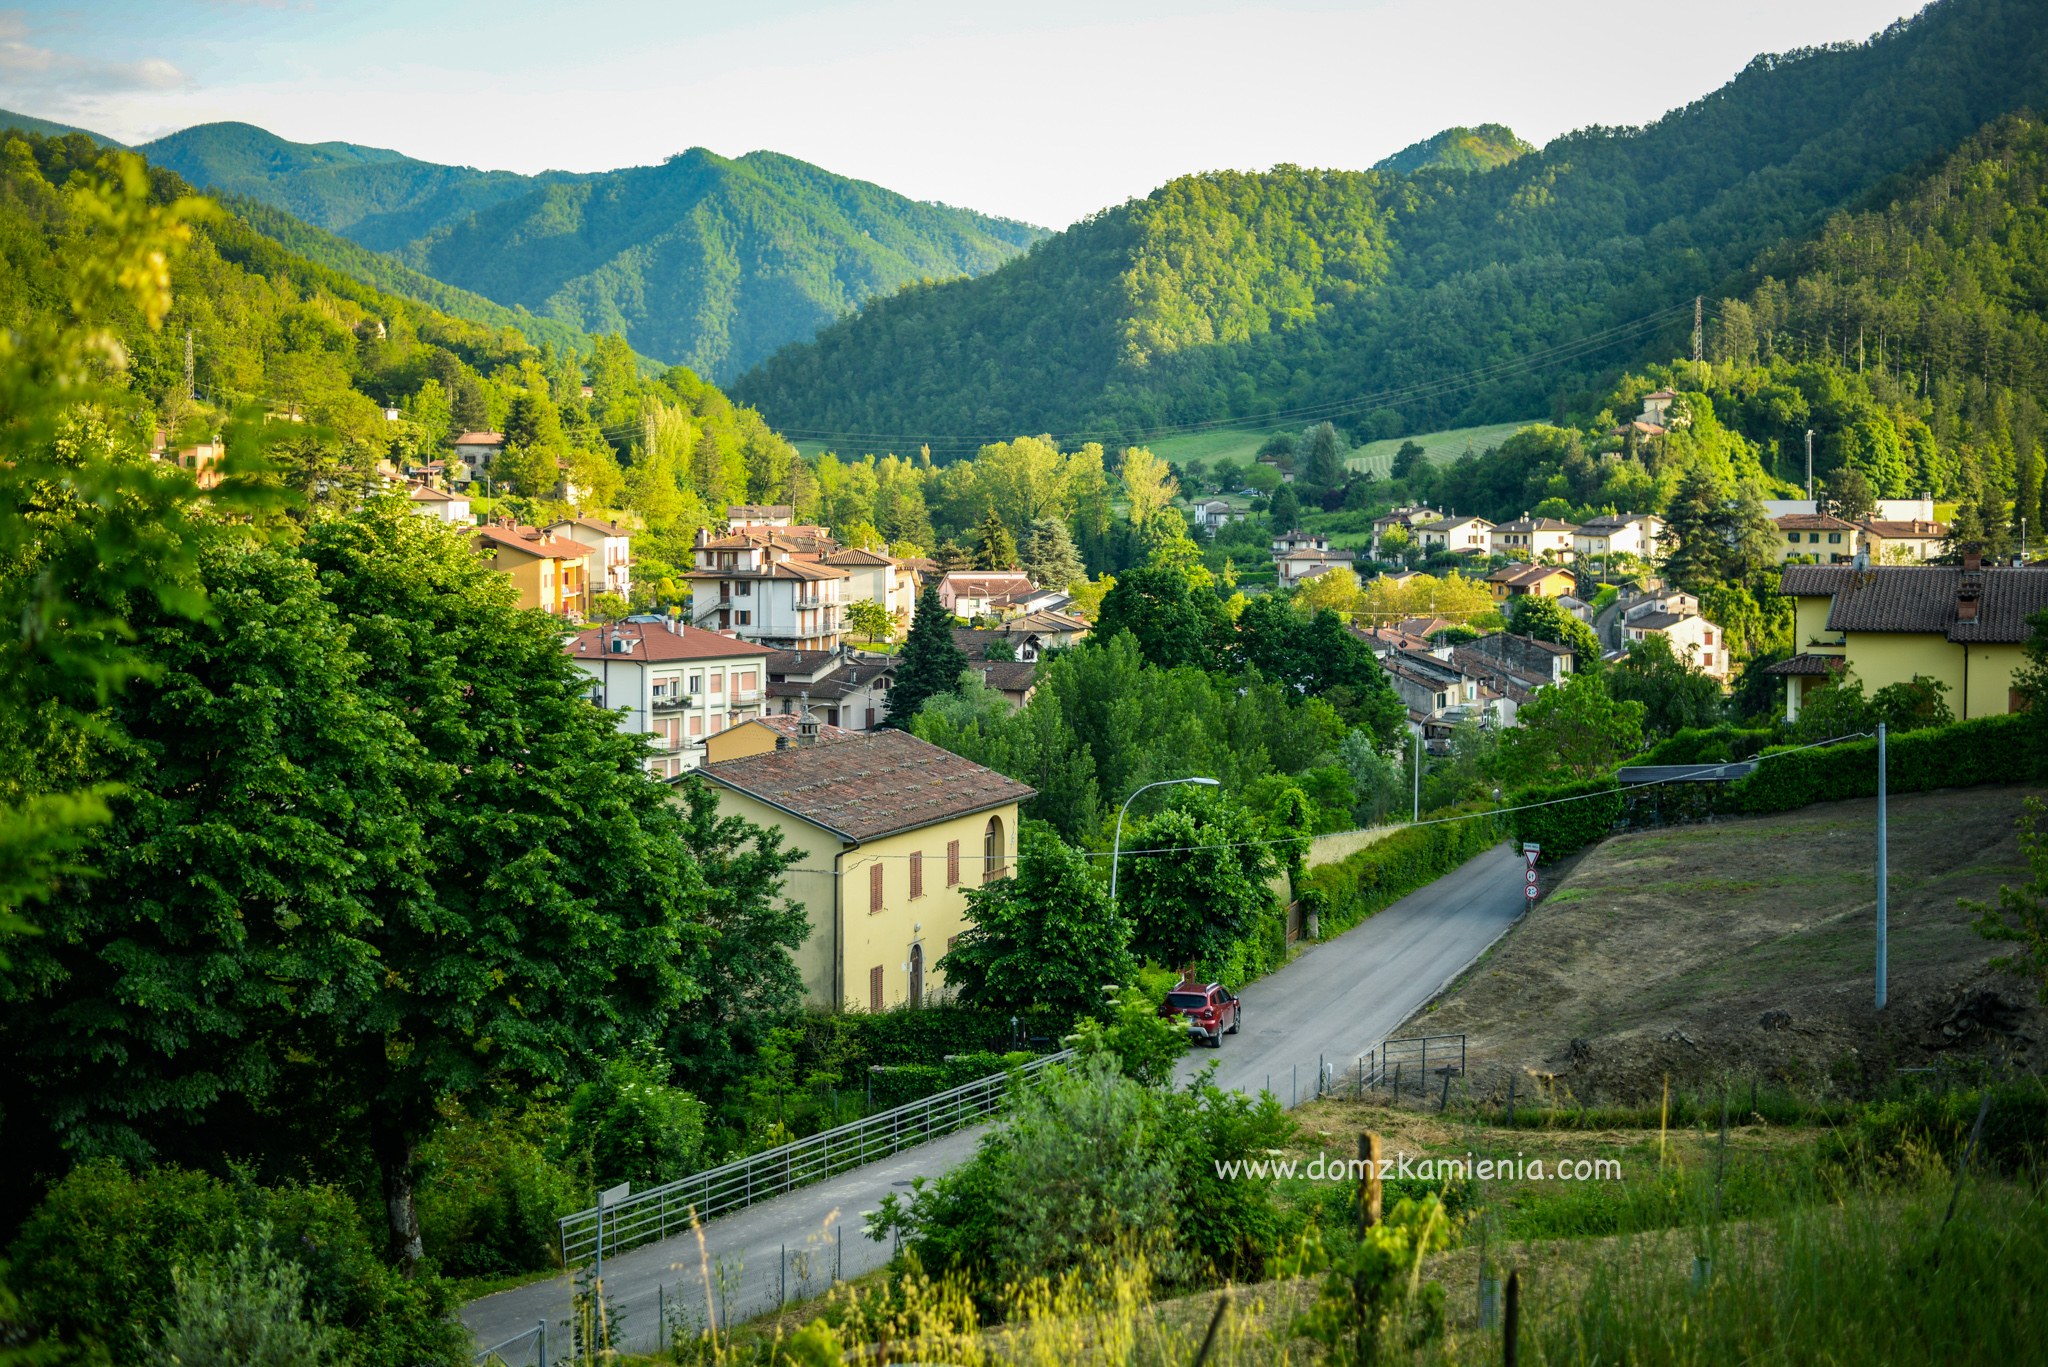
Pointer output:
x,y
654,1214
1399,1060
536,1337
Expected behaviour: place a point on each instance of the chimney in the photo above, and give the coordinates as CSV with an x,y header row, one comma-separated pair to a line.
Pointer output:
x,y
1973,558
806,724
1966,602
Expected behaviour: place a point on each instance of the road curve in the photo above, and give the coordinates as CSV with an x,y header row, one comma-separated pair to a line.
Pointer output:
x,y
1333,1002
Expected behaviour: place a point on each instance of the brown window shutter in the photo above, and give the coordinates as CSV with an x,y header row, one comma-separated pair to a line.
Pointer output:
x,y
917,873
874,888
875,988
952,863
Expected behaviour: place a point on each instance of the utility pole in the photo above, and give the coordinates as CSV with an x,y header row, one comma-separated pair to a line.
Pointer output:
x,y
1809,468
1699,339
188,365
647,434
1883,908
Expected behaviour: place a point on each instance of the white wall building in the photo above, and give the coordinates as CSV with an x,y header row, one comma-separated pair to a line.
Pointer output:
x,y
452,509
1694,640
876,578
1619,534
757,590
675,683
611,552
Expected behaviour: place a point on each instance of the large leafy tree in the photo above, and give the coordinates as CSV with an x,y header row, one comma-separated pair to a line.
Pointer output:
x,y
1048,936
1572,730
1173,622
1674,695
931,662
1201,884
1544,619
1318,656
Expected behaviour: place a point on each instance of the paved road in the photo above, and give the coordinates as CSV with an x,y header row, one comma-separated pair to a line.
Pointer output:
x,y
1335,1000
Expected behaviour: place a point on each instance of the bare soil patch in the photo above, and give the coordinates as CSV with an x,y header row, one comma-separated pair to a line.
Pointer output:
x,y
1746,949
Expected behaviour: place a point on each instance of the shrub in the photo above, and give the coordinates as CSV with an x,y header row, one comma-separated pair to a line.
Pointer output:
x,y
1384,872
1567,818
95,1263
903,1083
1887,1137
247,1310
489,1196
1988,750
1709,745
641,1129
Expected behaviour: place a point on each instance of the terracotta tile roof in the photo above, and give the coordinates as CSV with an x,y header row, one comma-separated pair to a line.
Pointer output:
x,y
1322,557
1445,524
983,583
1007,676
806,570
655,645
975,641
595,524
750,512
422,493
481,439
869,785
1045,619
854,555
1535,524
1924,599
1812,522
531,542
1917,527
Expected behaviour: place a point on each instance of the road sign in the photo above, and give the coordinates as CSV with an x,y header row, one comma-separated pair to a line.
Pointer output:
x,y
1530,892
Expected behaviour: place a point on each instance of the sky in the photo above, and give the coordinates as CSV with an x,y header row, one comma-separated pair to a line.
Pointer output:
x,y
1045,111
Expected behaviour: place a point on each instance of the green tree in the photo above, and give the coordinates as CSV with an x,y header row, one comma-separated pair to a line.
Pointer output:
x,y
1318,656
635,1126
529,471
2021,916
1544,619
1284,510
246,1309
1572,730
1846,494
869,618
1321,456
1047,936
930,663
1674,695
994,547
1912,704
1204,886
1049,556
1173,622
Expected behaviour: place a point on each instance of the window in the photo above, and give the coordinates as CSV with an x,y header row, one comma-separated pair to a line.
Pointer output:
x,y
1709,658
1710,638
874,888
745,681
875,988
917,873
952,863
717,682
992,850
742,618
696,725
1834,538
717,722
696,683
743,590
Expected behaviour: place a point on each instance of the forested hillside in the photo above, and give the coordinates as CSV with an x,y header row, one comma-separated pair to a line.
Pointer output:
x,y
1459,149
705,261
1488,294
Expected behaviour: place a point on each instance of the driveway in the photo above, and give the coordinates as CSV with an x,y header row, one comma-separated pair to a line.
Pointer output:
x,y
1333,1002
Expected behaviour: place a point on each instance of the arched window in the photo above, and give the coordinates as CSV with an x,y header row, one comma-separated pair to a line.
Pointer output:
x,y
992,853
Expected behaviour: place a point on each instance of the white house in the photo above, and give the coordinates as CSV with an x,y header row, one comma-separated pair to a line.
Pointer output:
x,y
761,591
1463,535
876,578
1532,538
477,450
611,552
983,593
1209,514
845,688
1694,640
1619,534
1298,566
428,501
758,515
675,683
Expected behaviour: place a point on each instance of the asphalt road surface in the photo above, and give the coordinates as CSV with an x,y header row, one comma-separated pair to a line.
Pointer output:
x,y
1335,1001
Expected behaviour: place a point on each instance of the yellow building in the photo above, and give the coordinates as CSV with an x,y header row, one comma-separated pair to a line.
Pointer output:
x,y
1963,626
551,572
1817,537
1535,581
890,832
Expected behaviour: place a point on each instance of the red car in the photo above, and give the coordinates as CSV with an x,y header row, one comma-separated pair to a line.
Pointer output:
x,y
1210,1011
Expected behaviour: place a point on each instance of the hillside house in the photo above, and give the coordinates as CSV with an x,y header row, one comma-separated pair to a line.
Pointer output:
x,y
1636,534
476,452
1904,541
983,593
770,731
762,590
844,687
1457,535
874,577
440,505
758,516
677,685
1963,626
1297,567
1290,542
889,834
1818,537
1533,538
611,551
1545,660
552,573
1694,640
1210,514
1531,581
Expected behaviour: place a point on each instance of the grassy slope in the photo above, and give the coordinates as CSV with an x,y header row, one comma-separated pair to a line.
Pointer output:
x,y
1662,950
1439,448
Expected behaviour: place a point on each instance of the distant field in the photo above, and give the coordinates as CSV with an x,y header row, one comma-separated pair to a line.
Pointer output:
x,y
1235,444
1437,447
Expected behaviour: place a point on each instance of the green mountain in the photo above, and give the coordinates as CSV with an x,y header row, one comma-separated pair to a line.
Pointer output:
x,y
1459,149
1413,301
709,261
48,128
705,261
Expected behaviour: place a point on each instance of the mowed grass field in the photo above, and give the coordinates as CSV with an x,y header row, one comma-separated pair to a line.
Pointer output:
x,y
1437,447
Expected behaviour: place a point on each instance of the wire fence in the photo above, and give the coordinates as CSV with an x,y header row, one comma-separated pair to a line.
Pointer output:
x,y
658,1212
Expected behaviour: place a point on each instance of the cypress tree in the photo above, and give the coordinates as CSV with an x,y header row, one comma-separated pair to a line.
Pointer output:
x,y
995,548
931,662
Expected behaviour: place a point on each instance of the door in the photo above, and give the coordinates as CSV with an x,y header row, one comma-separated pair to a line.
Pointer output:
x,y
917,975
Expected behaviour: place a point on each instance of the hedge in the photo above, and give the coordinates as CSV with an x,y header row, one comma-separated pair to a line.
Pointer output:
x,y
1374,878
909,1082
1709,745
1987,750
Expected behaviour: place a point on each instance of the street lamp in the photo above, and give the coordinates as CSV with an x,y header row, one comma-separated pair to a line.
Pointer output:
x,y
1116,846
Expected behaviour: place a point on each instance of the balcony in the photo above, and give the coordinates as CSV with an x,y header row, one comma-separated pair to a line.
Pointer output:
x,y
675,702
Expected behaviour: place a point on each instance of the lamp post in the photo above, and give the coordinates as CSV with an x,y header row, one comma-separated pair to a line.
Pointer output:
x,y
1116,846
